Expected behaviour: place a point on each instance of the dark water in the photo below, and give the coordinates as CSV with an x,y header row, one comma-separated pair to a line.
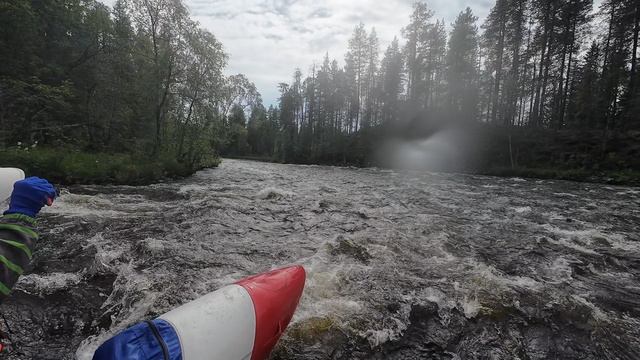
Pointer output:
x,y
400,265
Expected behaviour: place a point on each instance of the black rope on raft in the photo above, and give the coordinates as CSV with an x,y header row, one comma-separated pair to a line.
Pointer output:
x,y
5,335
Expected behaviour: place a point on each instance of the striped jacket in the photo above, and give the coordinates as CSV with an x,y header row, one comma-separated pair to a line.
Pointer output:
x,y
17,242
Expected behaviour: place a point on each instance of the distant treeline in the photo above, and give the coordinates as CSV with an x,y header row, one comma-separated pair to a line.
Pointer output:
x,y
539,64
141,79
145,82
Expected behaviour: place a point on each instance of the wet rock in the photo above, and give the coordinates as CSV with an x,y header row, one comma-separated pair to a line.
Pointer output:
x,y
349,248
427,336
600,241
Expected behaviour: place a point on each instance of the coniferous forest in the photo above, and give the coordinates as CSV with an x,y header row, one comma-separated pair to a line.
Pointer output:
x,y
549,84
129,94
549,87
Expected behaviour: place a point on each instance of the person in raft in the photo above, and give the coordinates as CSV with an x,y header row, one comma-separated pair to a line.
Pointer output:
x,y
17,234
149,340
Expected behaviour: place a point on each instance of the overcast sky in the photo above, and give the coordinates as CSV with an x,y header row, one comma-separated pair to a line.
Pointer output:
x,y
267,39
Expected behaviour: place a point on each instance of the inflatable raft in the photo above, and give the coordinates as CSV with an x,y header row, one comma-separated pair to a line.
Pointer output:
x,y
8,176
242,321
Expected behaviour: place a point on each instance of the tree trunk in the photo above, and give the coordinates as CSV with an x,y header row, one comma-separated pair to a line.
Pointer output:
x,y
498,78
558,99
159,114
534,84
535,120
565,95
634,51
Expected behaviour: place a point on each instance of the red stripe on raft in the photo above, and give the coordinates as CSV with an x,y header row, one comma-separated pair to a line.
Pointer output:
x,y
275,297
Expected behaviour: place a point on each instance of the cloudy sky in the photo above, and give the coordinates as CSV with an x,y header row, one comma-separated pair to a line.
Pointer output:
x,y
268,39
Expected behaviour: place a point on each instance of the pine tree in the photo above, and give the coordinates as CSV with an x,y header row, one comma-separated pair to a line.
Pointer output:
x,y
462,60
356,61
371,86
435,65
417,34
584,100
391,79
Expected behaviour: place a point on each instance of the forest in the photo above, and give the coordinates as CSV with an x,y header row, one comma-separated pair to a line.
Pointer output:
x,y
557,79
129,94
548,85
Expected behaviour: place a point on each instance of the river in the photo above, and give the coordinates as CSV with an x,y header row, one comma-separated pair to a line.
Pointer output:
x,y
401,265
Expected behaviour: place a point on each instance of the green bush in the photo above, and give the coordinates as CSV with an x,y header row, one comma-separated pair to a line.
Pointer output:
x,y
69,166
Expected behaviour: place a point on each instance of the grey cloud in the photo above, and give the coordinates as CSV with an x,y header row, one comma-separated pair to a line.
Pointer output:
x,y
282,6
367,17
301,29
216,14
274,37
325,42
321,13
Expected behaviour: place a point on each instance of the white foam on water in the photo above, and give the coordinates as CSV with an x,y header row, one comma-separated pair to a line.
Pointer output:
x,y
522,209
381,336
193,188
597,313
561,269
83,206
322,297
586,236
488,277
152,246
272,192
38,284
563,194
132,294
628,192
471,307
106,256
435,295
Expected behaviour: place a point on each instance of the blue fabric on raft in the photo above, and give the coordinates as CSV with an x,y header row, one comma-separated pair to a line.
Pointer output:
x,y
139,343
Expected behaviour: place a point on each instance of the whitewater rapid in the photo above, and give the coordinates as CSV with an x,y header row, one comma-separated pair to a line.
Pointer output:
x,y
401,265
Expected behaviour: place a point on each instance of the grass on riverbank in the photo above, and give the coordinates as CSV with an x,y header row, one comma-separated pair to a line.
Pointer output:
x,y
67,166
609,177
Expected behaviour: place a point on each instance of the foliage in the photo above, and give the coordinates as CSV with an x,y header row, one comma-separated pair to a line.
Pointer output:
x,y
70,166
141,80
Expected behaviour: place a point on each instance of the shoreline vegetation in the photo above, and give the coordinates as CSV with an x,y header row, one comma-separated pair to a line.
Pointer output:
x,y
504,152
129,94
586,156
70,167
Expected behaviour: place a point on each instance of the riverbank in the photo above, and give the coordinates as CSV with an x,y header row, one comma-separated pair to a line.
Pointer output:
x,y
68,167
585,156
621,177
630,178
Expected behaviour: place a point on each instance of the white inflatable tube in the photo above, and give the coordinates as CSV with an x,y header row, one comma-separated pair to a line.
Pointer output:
x,y
225,318
8,176
242,321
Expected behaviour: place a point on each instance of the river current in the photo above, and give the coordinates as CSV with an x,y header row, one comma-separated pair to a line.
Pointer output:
x,y
400,265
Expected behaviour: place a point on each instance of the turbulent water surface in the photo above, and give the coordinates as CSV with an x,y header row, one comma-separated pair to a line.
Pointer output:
x,y
400,265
